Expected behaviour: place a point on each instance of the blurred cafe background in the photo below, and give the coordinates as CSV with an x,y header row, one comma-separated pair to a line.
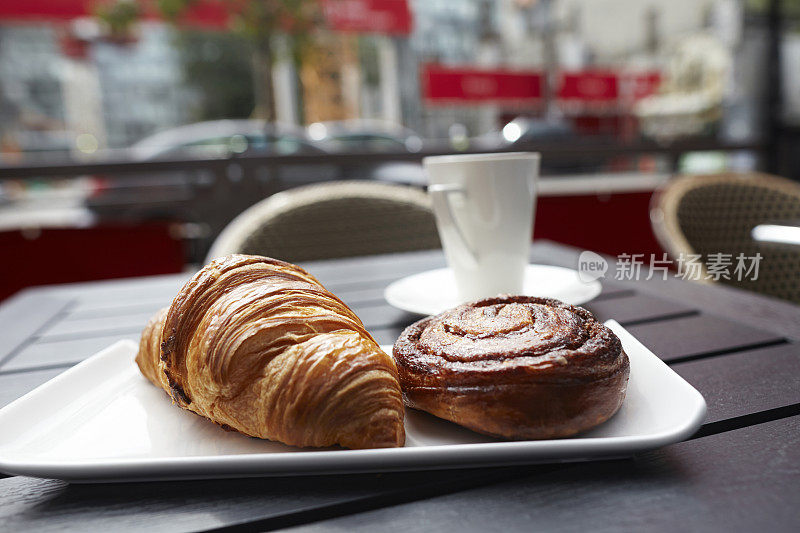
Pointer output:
x,y
133,132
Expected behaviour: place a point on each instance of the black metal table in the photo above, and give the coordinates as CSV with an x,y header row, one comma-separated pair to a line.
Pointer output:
x,y
740,472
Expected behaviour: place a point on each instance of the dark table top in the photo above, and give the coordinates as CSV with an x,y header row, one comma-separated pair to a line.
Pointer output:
x,y
740,472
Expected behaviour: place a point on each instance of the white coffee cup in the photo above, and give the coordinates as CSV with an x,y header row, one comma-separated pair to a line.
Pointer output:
x,y
484,207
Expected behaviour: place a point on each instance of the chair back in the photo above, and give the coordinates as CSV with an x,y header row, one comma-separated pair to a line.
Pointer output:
x,y
330,220
715,214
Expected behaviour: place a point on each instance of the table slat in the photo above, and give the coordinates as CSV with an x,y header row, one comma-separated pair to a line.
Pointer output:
x,y
386,335
636,308
697,336
62,353
383,267
24,315
51,505
92,327
746,382
18,384
118,309
744,480
126,291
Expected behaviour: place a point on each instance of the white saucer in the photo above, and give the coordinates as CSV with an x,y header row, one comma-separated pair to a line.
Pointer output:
x,y
434,291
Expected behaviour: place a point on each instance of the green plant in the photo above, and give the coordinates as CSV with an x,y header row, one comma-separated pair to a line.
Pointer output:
x,y
118,16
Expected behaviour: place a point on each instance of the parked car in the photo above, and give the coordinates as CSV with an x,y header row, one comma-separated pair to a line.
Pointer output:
x,y
172,194
526,133
363,135
223,138
522,131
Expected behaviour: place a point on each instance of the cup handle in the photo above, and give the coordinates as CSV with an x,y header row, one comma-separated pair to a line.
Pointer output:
x,y
440,193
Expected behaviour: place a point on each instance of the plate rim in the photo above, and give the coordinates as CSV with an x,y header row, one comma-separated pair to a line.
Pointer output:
x,y
314,462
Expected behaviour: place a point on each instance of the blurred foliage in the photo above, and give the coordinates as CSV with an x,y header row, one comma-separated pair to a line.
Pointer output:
x,y
789,8
118,16
368,56
259,21
218,68
173,9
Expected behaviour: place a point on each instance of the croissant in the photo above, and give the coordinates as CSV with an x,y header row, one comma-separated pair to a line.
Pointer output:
x,y
259,346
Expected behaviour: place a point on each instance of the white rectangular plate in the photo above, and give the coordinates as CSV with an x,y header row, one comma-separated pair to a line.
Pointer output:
x,y
102,421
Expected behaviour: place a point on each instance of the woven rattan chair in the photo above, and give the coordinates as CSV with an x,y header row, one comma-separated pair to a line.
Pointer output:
x,y
716,214
336,219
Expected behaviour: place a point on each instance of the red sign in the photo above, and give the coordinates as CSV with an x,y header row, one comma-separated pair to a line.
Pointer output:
x,y
368,16
592,86
451,85
644,84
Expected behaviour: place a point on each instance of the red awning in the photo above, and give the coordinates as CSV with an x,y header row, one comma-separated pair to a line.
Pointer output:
x,y
376,16
45,9
208,13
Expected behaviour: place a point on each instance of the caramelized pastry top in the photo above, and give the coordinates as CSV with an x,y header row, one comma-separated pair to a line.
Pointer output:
x,y
506,337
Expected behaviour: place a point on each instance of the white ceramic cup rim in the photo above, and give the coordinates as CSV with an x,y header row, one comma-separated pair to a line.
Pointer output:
x,y
478,158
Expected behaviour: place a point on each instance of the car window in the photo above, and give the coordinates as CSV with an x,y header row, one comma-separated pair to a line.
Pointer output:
x,y
367,142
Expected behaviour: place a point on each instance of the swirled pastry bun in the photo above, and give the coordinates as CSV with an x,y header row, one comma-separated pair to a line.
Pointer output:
x,y
516,367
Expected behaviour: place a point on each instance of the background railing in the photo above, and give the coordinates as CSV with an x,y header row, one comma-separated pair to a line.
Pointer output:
x,y
205,194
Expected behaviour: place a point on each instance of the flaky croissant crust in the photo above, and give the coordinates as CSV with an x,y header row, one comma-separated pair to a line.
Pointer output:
x,y
260,346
